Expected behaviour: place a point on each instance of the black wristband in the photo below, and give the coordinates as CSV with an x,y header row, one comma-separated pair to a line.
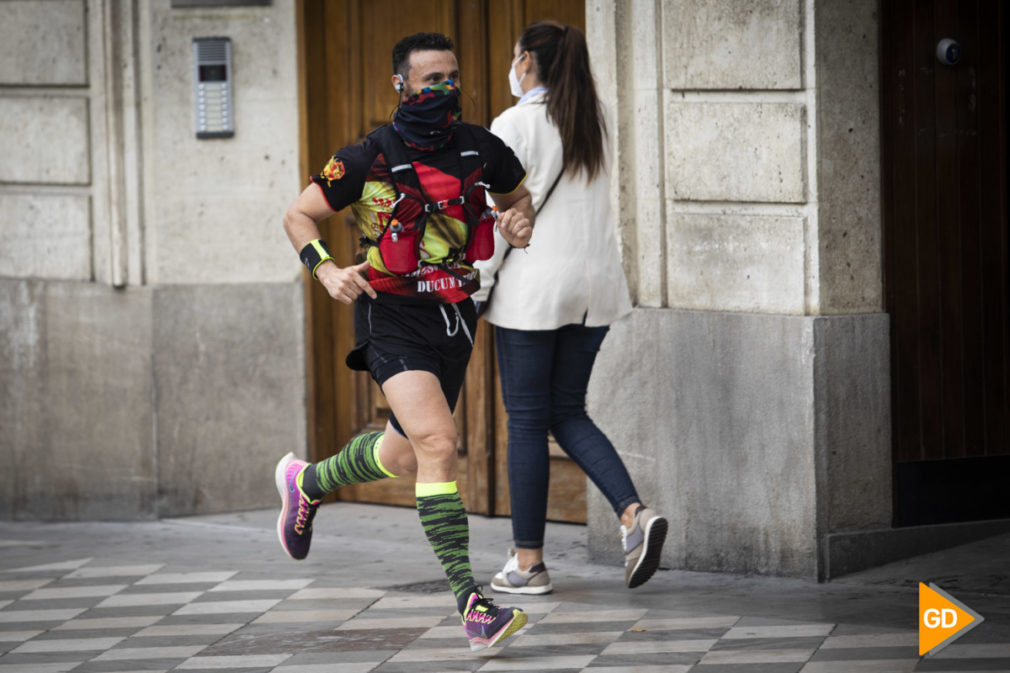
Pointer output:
x,y
314,254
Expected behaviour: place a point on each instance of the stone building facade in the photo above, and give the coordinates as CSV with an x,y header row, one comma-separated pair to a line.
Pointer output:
x,y
151,319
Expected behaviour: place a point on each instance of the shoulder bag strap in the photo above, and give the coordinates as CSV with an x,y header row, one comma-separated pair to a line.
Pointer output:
x,y
543,203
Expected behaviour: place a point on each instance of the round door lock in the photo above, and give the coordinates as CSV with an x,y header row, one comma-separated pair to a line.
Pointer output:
x,y
948,51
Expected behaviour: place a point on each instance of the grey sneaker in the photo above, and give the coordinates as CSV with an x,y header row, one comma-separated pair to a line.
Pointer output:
x,y
512,580
643,545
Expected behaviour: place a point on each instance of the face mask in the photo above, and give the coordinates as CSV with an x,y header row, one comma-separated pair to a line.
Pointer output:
x,y
515,81
426,119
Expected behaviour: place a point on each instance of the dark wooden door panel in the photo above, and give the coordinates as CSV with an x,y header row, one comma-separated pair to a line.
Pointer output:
x,y
346,61
944,187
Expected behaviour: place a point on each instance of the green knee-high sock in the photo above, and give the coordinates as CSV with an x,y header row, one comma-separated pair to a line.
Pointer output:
x,y
357,463
443,518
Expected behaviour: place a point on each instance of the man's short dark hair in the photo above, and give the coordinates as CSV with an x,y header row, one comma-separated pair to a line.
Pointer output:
x,y
417,42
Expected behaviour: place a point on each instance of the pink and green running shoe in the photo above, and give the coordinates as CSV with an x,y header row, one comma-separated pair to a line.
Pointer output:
x,y
486,624
294,525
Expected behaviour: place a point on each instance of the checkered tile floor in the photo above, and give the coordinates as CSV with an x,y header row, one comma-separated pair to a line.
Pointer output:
x,y
87,616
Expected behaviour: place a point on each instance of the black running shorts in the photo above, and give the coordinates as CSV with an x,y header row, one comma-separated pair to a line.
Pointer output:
x,y
396,334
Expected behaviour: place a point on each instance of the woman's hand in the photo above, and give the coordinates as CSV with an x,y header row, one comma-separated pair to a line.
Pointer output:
x,y
345,284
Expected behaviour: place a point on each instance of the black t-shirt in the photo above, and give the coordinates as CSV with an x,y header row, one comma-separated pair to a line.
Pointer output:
x,y
358,176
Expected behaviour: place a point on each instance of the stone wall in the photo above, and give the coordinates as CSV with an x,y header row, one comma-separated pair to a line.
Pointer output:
x,y
151,319
753,403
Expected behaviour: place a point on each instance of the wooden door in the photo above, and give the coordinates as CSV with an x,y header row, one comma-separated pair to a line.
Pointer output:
x,y
346,64
944,167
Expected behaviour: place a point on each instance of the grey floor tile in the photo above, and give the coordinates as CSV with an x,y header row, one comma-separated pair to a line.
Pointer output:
x,y
857,653
370,657
428,667
576,627
331,667
232,662
62,634
146,666
313,641
37,667
653,659
780,655
25,660
748,668
863,666
936,665
637,634
758,644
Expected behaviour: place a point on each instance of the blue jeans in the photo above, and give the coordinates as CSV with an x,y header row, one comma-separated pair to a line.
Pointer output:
x,y
544,376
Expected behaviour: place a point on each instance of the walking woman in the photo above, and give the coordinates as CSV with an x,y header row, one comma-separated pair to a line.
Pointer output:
x,y
552,303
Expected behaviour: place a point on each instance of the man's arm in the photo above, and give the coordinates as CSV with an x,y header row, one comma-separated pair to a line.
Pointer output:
x,y
516,220
301,223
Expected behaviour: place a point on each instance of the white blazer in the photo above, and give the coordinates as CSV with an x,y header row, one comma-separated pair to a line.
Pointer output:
x,y
572,272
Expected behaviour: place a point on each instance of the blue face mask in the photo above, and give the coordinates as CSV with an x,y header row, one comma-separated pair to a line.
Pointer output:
x,y
427,118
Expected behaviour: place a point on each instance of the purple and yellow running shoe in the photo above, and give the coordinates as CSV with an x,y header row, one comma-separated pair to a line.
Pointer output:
x,y
294,525
486,624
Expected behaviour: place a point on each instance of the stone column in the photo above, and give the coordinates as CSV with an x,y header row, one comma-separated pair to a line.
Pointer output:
x,y
752,403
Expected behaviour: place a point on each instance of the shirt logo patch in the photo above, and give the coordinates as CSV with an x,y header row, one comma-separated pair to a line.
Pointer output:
x,y
334,170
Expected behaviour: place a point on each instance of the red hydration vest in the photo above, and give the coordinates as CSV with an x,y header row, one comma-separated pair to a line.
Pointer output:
x,y
400,241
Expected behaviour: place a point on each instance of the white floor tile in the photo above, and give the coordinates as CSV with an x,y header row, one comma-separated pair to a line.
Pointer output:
x,y
667,668
659,646
316,593
418,622
66,645
250,661
99,623
114,571
687,623
304,616
60,593
129,653
783,631
187,630
537,663
542,640
227,607
188,578
263,585
871,640
133,600
30,616
438,601
427,654
63,565
24,585
572,617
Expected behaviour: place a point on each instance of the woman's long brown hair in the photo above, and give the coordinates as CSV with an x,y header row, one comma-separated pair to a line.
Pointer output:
x,y
562,62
